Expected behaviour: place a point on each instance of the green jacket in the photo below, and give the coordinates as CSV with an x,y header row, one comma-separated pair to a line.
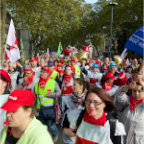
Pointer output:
x,y
35,133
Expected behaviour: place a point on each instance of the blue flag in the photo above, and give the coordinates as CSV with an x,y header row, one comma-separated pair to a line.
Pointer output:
x,y
136,41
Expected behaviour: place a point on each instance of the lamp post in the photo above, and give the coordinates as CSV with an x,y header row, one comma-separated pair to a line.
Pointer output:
x,y
111,4
83,34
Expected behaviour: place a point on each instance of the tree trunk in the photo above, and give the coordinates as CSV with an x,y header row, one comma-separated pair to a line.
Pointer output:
x,y
36,51
2,28
97,50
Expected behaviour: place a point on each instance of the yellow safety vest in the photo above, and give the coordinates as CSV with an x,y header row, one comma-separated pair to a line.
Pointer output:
x,y
54,75
77,70
41,94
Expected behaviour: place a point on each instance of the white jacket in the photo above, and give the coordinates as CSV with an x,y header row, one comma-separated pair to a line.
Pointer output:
x,y
14,77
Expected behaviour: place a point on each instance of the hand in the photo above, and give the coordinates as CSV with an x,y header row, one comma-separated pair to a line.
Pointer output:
x,y
69,132
139,77
79,100
61,74
48,95
83,62
25,79
132,85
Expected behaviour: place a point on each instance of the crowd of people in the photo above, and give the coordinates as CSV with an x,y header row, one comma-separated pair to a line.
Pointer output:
x,y
98,101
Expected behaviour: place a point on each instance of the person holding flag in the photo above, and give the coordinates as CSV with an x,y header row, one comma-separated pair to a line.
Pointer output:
x,y
60,49
34,62
14,53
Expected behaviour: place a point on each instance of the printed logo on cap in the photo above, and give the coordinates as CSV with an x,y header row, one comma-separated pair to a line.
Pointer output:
x,y
12,97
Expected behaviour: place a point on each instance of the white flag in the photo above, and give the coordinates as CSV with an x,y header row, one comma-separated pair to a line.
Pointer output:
x,y
47,54
127,62
14,53
6,54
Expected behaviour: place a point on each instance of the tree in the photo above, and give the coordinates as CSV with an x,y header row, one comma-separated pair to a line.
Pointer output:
x,y
2,25
46,18
127,18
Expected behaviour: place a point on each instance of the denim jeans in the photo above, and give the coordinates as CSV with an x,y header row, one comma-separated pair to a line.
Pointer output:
x,y
51,126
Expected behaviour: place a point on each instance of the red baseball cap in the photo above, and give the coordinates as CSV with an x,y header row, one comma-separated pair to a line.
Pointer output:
x,y
73,58
46,68
109,75
125,63
105,67
29,69
34,59
60,64
5,75
62,60
18,98
97,62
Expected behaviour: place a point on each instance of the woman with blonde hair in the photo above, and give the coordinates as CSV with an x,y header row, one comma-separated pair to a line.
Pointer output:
x,y
14,75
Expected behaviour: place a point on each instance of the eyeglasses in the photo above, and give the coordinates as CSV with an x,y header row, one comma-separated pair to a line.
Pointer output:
x,y
95,103
43,72
27,73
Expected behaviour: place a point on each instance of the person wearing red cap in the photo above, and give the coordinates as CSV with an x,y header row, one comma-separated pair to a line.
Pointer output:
x,y
107,84
37,70
21,126
62,61
29,81
60,70
46,91
14,75
5,81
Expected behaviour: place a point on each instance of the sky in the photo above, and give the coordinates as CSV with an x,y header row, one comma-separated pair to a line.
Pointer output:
x,y
91,1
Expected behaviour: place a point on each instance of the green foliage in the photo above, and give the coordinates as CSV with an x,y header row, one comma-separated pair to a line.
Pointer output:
x,y
51,21
127,18
46,19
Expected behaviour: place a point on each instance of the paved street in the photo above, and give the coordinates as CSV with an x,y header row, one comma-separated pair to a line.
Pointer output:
x,y
60,130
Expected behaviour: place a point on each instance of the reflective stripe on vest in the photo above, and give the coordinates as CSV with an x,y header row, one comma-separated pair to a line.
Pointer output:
x,y
77,70
67,89
54,75
42,99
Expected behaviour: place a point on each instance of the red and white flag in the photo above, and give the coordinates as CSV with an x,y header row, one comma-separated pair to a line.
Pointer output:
x,y
14,53
38,56
47,54
6,55
73,49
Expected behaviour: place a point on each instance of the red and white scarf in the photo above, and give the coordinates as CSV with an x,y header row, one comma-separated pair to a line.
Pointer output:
x,y
29,81
42,82
94,121
67,79
134,103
